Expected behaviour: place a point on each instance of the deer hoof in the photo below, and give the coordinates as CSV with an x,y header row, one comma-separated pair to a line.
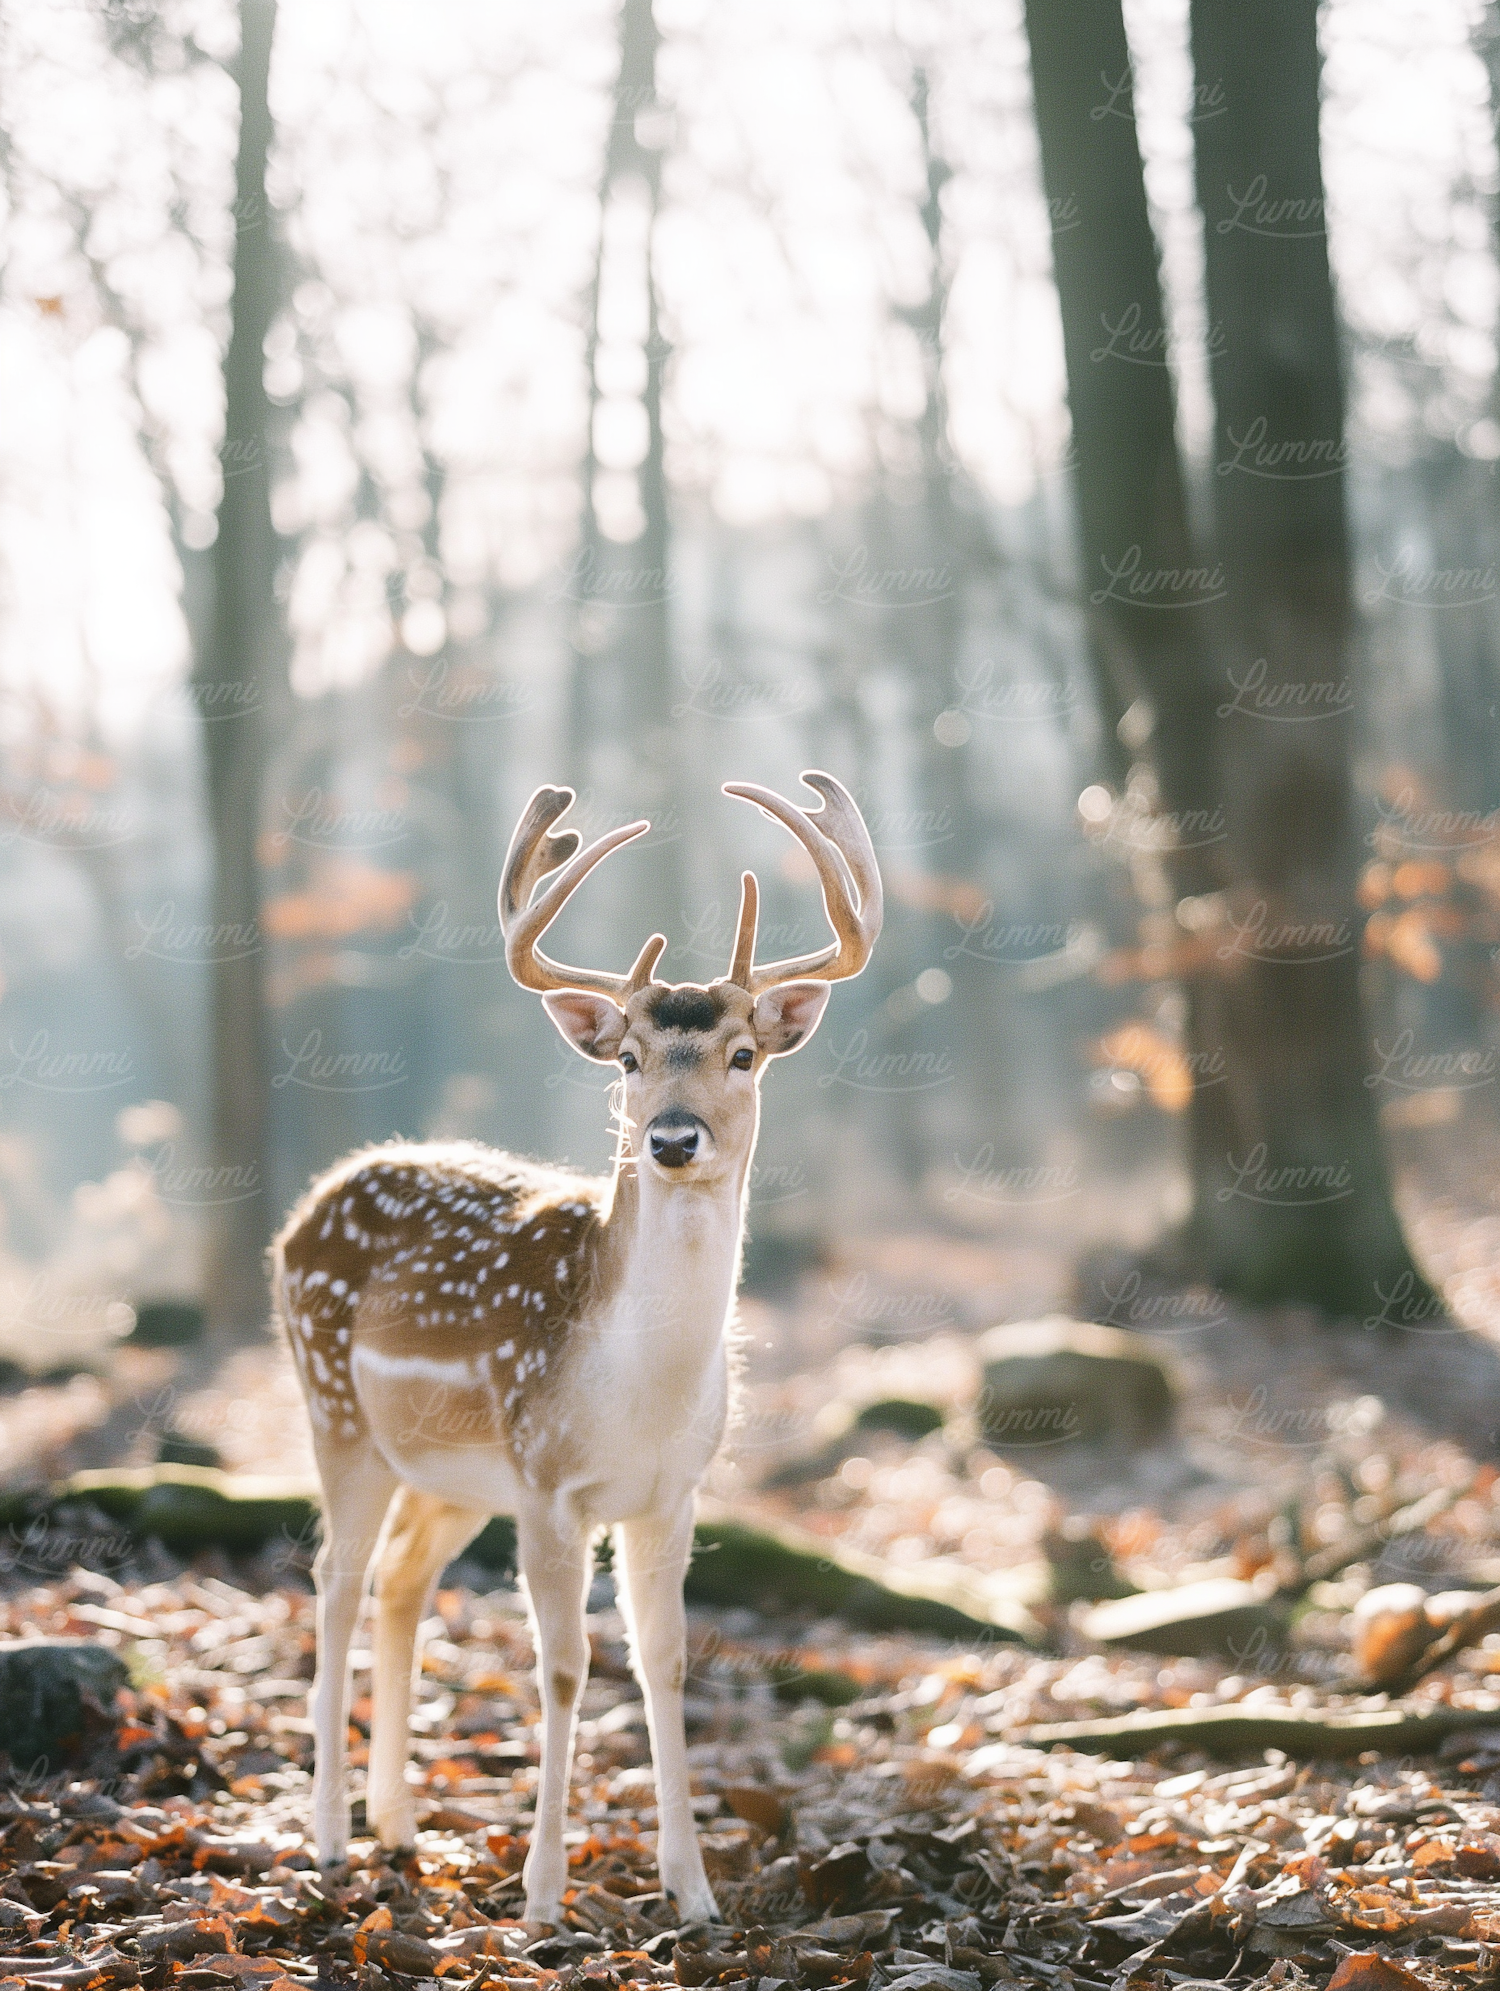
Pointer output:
x,y
398,1827
695,1901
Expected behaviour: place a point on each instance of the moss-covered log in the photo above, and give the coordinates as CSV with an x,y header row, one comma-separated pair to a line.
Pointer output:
x,y
787,1569
189,1508
186,1507
1239,1731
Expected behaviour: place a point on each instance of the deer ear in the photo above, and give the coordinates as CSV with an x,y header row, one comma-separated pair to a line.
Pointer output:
x,y
787,1016
592,1024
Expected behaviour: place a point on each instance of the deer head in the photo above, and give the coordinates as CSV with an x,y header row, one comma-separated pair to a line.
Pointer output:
x,y
692,1053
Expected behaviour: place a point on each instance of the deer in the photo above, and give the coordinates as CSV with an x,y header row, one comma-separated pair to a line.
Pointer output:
x,y
476,1333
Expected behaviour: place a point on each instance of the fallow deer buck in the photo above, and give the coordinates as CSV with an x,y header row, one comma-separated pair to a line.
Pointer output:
x,y
478,1334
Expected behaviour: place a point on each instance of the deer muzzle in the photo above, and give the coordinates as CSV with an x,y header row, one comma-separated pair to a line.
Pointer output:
x,y
675,1138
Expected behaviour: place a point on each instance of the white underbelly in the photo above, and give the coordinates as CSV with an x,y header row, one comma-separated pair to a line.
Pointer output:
x,y
619,1442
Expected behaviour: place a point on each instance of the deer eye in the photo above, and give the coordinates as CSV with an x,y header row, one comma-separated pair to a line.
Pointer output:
x,y
743,1059
629,1061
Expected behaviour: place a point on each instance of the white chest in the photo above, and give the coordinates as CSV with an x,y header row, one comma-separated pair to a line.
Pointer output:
x,y
654,1380
630,1414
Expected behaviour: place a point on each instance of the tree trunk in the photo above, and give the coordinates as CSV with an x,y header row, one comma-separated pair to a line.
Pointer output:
x,y
622,677
936,550
240,686
1292,1191
1290,1195
1146,593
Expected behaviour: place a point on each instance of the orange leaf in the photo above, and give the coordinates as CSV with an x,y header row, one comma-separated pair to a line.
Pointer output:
x,y
1413,879
762,1808
507,1851
1410,945
1364,1970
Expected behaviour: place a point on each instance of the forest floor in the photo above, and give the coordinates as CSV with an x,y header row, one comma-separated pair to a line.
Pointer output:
x,y
872,1810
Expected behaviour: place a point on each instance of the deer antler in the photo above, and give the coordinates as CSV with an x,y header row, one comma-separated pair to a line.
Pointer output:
x,y
835,838
535,851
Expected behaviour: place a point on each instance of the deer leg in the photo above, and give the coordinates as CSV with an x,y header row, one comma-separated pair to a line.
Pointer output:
x,y
651,1555
357,1488
555,1560
423,1537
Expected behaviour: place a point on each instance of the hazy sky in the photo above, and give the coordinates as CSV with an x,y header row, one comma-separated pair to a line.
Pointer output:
x,y
437,175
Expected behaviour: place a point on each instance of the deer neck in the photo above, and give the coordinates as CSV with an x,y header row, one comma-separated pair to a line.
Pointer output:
x,y
670,1253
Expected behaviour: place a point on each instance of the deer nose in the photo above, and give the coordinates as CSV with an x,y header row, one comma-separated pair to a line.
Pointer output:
x,y
674,1139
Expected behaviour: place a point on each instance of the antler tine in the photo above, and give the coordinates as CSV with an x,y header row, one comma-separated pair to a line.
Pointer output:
x,y
742,966
645,963
535,852
836,839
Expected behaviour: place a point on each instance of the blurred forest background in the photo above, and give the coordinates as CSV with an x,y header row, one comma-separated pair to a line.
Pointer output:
x,y
1075,427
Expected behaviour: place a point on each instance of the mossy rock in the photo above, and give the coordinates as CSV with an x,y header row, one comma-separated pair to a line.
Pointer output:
x,y
48,1687
188,1508
1080,1568
178,1449
495,1546
167,1323
842,1428
1055,1382
817,1683
904,1416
